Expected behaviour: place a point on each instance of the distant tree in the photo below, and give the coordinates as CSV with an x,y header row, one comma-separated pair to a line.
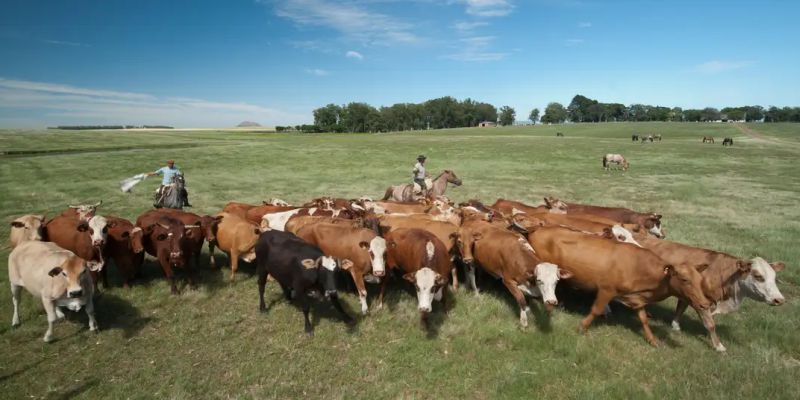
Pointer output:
x,y
328,118
753,113
710,114
676,114
360,117
534,115
507,115
692,115
616,112
555,113
578,108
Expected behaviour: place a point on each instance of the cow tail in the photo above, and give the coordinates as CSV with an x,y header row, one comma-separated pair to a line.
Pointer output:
x,y
388,193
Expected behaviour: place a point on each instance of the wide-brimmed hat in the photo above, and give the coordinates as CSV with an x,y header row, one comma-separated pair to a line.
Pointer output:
x,y
170,162
421,157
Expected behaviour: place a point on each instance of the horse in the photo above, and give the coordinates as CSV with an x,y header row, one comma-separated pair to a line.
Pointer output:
x,y
727,141
708,139
634,138
436,187
657,136
616,159
172,195
559,134
646,138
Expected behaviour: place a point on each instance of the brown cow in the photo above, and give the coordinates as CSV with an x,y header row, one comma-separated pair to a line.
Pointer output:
x,y
237,237
632,275
164,239
722,280
278,220
199,230
424,260
124,246
508,256
296,222
616,231
81,211
650,221
85,239
25,228
360,250
508,207
253,213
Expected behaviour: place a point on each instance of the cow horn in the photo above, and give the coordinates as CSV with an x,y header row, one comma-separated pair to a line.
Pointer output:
x,y
191,226
162,225
71,206
98,203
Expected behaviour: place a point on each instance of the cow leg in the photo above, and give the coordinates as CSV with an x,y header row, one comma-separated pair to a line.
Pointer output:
x,y
211,261
90,313
358,279
708,321
234,264
520,297
59,314
306,305
191,271
599,306
334,298
454,277
262,282
15,292
384,281
679,310
50,309
648,334
471,277
167,267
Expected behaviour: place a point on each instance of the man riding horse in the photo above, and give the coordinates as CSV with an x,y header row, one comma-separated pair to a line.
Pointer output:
x,y
419,173
169,174
423,187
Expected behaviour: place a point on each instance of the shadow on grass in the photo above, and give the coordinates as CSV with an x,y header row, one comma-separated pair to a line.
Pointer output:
x,y
74,390
488,285
114,312
21,370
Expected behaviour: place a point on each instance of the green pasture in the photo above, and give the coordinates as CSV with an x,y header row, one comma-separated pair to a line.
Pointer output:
x,y
214,343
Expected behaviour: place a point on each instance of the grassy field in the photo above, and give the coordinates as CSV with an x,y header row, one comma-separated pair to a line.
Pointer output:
x,y
213,342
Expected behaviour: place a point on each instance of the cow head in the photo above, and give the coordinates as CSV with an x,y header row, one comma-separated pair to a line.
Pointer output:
x,y
547,276
67,277
97,227
326,269
134,239
555,205
208,224
86,211
29,227
167,234
428,284
377,251
652,223
466,241
687,281
620,234
276,202
760,284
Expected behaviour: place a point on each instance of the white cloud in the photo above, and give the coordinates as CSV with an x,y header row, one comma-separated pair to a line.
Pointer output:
x,y
64,104
476,49
574,42
717,66
317,72
488,8
469,26
354,54
584,24
349,19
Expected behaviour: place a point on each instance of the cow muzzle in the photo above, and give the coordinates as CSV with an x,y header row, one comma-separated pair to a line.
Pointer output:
x,y
98,242
778,301
467,261
424,309
75,293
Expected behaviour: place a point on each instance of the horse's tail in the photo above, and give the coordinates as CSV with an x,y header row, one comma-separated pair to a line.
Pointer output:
x,y
605,162
388,194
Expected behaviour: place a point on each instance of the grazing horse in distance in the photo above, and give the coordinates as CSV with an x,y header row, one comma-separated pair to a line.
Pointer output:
x,y
559,134
646,138
616,159
727,141
657,137
634,138
708,139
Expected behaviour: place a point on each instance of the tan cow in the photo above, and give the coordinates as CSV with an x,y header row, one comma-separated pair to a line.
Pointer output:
x,y
508,256
360,250
632,275
237,237
510,207
26,227
56,276
616,231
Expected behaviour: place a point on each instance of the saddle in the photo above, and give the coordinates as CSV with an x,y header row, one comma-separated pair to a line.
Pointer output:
x,y
418,189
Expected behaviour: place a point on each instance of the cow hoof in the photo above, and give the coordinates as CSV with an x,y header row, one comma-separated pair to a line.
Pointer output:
x,y
721,348
655,343
59,313
676,326
310,334
48,338
15,324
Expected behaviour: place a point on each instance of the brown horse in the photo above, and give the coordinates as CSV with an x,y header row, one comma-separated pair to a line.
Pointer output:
x,y
708,139
436,188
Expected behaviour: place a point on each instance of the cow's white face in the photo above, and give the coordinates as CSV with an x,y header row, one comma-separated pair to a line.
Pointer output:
x,y
623,235
760,282
377,251
328,263
30,226
547,277
425,280
98,230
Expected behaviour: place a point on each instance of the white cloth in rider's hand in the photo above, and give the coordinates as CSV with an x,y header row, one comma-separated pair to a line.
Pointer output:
x,y
127,184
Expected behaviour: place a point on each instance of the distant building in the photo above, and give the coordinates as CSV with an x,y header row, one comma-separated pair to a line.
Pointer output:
x,y
487,124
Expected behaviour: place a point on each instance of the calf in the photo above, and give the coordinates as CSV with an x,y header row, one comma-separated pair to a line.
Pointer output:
x,y
650,221
124,247
725,280
360,250
634,276
55,275
298,267
24,228
508,256
237,237
84,238
423,259
164,239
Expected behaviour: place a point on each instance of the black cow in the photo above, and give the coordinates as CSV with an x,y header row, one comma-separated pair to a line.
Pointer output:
x,y
559,134
634,138
299,267
727,141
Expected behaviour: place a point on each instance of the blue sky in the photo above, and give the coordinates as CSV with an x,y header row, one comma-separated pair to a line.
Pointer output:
x,y
215,63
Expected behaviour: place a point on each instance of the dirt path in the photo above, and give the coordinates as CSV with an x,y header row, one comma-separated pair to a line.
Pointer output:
x,y
755,135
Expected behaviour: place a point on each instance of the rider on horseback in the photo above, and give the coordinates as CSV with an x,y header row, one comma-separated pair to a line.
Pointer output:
x,y
169,172
419,173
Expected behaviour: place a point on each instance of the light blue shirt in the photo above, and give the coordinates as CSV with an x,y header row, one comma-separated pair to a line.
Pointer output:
x,y
168,173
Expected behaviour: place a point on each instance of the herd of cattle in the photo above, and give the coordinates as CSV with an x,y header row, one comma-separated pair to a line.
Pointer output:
x,y
618,253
